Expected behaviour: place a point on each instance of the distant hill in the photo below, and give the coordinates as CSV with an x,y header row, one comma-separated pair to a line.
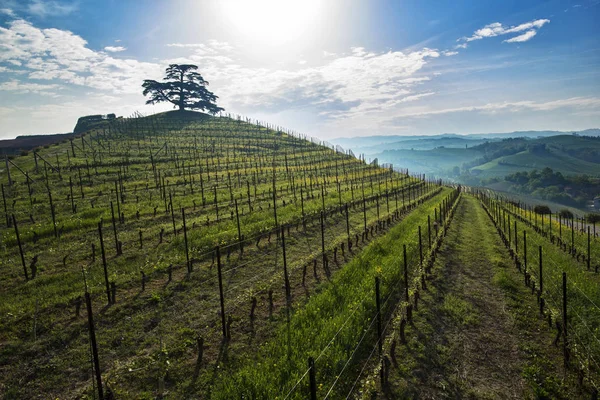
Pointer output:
x,y
426,144
26,143
568,154
374,144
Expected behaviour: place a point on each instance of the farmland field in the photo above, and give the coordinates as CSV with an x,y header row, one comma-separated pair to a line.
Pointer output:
x,y
181,255
134,181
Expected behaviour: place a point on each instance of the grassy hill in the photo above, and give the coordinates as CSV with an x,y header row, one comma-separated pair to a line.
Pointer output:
x,y
158,218
217,256
527,161
430,161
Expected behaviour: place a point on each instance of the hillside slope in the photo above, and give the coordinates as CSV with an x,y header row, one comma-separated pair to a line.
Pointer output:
x,y
167,221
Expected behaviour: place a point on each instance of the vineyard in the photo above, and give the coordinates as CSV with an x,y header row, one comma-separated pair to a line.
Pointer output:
x,y
559,262
187,256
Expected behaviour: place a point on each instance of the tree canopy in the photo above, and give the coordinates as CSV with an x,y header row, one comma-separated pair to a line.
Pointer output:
x,y
184,88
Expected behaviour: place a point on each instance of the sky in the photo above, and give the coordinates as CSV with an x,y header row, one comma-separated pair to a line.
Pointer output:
x,y
331,68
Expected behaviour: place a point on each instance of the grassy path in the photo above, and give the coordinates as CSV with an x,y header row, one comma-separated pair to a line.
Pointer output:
x,y
477,334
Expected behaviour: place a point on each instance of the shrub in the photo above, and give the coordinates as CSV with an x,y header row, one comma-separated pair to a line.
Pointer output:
x,y
542,209
592,218
565,213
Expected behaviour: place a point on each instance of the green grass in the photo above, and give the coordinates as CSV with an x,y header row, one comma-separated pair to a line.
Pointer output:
x,y
43,342
527,161
476,309
583,287
329,326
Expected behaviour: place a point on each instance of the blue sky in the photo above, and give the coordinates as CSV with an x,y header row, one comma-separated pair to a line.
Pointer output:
x,y
326,68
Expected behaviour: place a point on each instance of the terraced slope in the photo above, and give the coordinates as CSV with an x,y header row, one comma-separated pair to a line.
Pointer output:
x,y
185,207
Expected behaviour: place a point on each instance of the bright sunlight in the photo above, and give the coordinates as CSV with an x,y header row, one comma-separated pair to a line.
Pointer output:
x,y
272,22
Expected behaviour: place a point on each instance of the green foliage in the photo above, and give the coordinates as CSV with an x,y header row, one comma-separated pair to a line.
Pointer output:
x,y
574,190
542,209
184,88
565,213
592,218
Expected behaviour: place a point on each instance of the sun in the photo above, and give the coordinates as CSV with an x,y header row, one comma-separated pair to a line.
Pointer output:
x,y
271,22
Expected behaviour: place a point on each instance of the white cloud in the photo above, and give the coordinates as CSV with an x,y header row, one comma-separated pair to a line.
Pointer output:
x,y
27,87
522,38
115,49
497,29
7,11
340,87
58,54
211,47
507,106
449,53
51,8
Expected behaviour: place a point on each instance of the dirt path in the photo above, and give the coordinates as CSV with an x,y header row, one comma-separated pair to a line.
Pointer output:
x,y
477,334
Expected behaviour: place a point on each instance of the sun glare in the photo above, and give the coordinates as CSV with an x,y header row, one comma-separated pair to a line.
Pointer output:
x,y
271,22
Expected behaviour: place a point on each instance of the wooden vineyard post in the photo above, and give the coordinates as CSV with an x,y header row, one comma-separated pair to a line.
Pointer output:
x,y
588,248
312,378
237,218
288,294
221,297
20,247
10,182
541,282
525,251
572,238
88,303
172,214
302,202
71,194
365,213
509,232
5,208
274,197
420,247
429,230
516,238
347,224
80,182
187,253
52,212
564,318
323,200
118,203
323,241
104,262
406,298
112,210
560,226
378,304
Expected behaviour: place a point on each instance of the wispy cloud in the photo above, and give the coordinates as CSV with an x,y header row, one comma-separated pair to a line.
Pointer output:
x,y
28,87
51,8
507,106
115,49
521,38
7,11
497,29
210,47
